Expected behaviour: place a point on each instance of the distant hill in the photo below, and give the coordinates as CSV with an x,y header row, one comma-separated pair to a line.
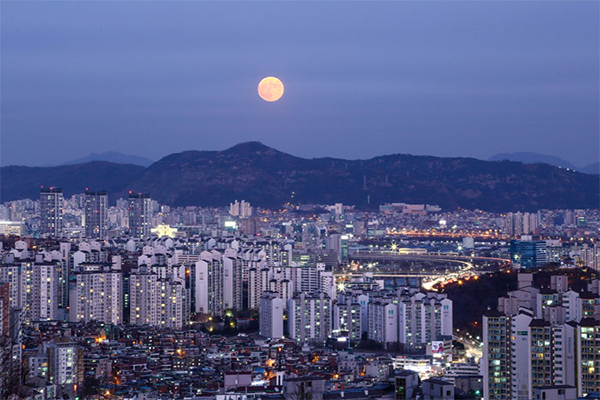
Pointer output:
x,y
17,182
269,178
532,158
114,157
592,169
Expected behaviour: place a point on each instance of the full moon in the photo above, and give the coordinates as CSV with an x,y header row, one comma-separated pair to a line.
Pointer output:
x,y
270,89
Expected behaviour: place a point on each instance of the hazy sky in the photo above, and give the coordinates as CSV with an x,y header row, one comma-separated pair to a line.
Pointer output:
x,y
361,78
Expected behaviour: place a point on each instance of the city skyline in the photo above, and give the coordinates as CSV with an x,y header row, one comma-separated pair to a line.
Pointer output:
x,y
460,79
408,298
205,200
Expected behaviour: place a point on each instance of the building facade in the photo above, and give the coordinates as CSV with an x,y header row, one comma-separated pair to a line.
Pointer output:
x,y
51,212
139,213
96,214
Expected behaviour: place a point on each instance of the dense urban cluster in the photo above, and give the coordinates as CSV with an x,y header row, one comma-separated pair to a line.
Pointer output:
x,y
545,339
145,301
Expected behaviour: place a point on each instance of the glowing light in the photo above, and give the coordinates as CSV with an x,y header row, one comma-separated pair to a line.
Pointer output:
x,y
164,231
270,89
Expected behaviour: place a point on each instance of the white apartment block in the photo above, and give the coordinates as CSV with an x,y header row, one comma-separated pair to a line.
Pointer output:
x,y
240,209
520,343
423,318
156,301
258,282
143,299
588,357
552,342
309,318
383,322
19,276
172,297
65,364
284,288
98,296
271,315
347,319
496,361
209,284
232,280
44,295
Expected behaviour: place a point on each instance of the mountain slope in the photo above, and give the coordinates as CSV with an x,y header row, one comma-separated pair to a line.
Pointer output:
x,y
17,182
532,158
269,178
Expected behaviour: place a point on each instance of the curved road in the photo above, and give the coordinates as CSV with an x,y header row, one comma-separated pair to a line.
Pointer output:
x,y
431,278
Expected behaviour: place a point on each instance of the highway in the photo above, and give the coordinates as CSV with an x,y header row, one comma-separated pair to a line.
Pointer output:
x,y
466,266
370,256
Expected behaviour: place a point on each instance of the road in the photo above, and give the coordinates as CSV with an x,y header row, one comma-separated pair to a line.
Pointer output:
x,y
473,347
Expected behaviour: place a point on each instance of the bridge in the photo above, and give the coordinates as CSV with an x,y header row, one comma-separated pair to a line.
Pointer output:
x,y
374,256
469,265
390,274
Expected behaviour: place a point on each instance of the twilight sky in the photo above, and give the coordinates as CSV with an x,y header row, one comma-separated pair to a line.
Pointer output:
x,y
361,78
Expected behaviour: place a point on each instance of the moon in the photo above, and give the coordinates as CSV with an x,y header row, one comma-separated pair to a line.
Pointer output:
x,y
270,89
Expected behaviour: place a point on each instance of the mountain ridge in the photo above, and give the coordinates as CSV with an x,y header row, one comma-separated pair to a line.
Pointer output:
x,y
593,168
114,157
269,178
19,182
529,157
